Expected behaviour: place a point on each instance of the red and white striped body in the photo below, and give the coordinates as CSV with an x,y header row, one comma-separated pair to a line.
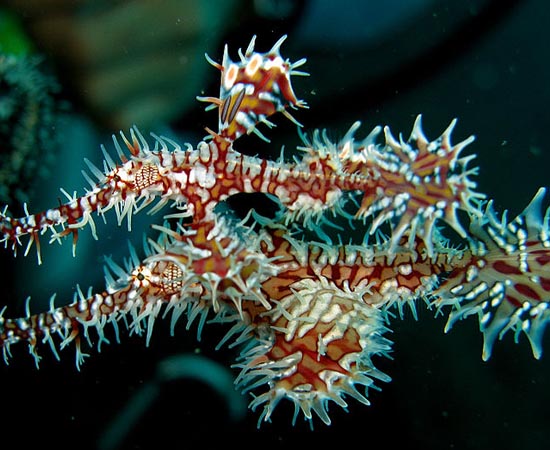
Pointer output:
x,y
310,313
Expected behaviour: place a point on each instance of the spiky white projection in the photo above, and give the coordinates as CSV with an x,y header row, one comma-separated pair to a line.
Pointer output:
x,y
309,314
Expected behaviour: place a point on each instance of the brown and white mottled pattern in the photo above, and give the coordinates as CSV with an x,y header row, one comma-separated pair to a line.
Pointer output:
x,y
310,313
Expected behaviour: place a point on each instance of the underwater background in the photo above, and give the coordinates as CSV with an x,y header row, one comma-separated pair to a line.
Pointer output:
x,y
104,66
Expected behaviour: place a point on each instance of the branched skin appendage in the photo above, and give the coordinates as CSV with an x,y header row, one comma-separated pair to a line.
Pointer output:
x,y
507,278
311,316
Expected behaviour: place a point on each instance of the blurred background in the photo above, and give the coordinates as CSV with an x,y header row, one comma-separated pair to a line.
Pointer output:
x,y
74,72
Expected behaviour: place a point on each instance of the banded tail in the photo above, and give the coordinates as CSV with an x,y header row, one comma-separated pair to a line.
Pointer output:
x,y
507,280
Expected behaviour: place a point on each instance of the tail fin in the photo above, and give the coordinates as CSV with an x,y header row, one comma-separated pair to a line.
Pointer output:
x,y
254,88
506,280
